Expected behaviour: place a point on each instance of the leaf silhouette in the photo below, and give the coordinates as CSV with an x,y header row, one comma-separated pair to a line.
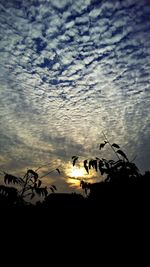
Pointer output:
x,y
41,191
95,164
102,170
73,157
58,170
86,166
119,163
4,190
102,145
101,164
107,164
120,152
115,145
74,161
21,181
33,173
8,178
111,162
39,183
54,187
35,185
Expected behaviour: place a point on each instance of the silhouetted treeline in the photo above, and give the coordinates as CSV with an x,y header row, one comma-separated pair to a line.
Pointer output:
x,y
101,193
123,184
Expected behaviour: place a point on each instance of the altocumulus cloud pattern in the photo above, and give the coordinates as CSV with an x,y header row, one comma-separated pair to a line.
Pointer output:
x,y
68,71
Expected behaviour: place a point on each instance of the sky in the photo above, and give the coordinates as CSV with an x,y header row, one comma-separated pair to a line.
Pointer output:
x,y
70,70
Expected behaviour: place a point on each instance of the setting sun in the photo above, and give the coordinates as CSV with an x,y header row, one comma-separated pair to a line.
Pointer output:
x,y
77,172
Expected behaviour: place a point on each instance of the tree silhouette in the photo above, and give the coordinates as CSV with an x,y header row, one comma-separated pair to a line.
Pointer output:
x,y
117,173
122,180
29,186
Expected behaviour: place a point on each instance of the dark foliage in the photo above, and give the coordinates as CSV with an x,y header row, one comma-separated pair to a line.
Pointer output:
x,y
120,176
122,183
27,187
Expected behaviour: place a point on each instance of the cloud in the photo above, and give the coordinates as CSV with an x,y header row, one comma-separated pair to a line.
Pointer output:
x,y
70,70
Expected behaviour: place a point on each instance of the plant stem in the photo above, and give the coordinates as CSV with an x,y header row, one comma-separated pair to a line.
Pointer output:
x,y
25,184
47,173
111,145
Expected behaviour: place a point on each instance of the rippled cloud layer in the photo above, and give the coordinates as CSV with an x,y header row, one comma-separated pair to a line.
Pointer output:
x,y
68,71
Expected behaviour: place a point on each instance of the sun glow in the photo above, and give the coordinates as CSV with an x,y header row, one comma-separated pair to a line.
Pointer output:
x,y
74,175
76,172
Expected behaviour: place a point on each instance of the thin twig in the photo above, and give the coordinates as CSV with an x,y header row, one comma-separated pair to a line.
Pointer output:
x,y
133,158
47,173
111,145
40,167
